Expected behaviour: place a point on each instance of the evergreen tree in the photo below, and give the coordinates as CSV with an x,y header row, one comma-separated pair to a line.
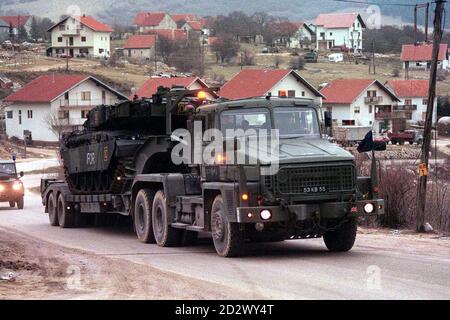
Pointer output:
x,y
35,34
23,34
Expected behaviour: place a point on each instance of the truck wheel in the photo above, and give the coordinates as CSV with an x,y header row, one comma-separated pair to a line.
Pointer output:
x,y
52,211
66,219
165,235
227,237
342,239
12,204
20,203
143,216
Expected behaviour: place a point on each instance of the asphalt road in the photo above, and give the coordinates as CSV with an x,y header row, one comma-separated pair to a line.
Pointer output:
x,y
381,265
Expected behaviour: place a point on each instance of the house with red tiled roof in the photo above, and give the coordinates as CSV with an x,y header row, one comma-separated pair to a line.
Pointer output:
x,y
80,36
420,56
16,22
54,103
150,87
170,34
250,83
361,102
304,37
413,96
153,20
339,30
182,18
141,46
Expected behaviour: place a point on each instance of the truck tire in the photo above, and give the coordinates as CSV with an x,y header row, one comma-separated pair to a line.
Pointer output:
x,y
342,239
142,218
52,211
20,203
12,204
66,219
165,235
227,237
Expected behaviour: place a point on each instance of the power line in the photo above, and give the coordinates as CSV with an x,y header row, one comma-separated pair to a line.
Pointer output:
x,y
381,4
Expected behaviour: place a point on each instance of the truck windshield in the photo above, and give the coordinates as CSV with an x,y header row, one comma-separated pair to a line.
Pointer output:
x,y
7,168
252,121
296,122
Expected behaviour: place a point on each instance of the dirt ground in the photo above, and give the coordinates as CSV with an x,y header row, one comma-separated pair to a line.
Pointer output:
x,y
40,270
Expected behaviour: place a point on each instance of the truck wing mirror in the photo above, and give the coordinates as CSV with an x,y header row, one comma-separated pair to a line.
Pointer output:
x,y
21,174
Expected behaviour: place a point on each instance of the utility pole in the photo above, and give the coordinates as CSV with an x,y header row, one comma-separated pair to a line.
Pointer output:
x,y
67,55
372,61
423,167
426,21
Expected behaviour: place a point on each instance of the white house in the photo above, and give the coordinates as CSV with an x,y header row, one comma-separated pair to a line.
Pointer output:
x,y
16,22
420,56
361,102
153,20
413,96
303,38
141,47
250,83
55,101
80,36
150,87
339,29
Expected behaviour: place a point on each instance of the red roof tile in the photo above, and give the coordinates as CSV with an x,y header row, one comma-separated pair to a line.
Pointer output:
x,y
15,21
424,52
149,18
172,34
150,87
184,17
46,88
345,91
140,41
196,25
93,24
337,20
410,88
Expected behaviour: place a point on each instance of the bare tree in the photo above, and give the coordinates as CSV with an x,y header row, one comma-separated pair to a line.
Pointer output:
x,y
225,48
55,124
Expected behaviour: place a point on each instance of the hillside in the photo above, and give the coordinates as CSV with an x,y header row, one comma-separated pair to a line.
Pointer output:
x,y
122,11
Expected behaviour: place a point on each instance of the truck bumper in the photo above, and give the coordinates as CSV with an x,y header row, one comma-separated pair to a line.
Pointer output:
x,y
328,210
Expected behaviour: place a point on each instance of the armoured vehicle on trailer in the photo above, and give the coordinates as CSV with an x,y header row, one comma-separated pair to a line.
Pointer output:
x,y
122,164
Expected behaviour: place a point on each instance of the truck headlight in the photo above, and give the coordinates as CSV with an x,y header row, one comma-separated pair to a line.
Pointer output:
x,y
266,214
2,188
17,186
369,208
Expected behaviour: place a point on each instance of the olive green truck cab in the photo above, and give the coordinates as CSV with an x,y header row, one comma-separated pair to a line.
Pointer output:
x,y
309,190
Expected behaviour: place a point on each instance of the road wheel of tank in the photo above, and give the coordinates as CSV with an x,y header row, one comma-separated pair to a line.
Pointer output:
x,y
143,216
20,203
342,239
52,210
12,204
227,237
66,219
165,235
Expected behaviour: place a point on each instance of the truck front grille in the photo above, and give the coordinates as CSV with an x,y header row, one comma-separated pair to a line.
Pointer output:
x,y
312,179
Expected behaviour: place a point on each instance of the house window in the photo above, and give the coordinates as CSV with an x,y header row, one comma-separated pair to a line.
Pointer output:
x,y
86,96
101,51
425,102
370,109
20,116
408,102
84,114
60,39
62,27
9,114
371,93
357,110
83,39
348,122
30,114
331,33
63,114
291,93
303,94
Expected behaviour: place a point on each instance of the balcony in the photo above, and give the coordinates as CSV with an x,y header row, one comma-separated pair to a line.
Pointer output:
x,y
79,103
71,32
408,107
393,115
373,100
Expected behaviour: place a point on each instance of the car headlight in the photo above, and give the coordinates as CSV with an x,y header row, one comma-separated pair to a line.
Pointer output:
x,y
266,215
17,186
2,188
369,208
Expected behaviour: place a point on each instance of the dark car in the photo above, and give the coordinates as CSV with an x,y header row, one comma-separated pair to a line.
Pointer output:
x,y
11,187
310,57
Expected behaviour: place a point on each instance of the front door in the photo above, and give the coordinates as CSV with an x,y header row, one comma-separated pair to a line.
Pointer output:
x,y
71,52
71,41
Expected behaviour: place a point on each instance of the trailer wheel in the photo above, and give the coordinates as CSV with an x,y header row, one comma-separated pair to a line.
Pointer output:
x,y
342,239
20,203
165,235
227,237
52,211
143,216
12,204
66,219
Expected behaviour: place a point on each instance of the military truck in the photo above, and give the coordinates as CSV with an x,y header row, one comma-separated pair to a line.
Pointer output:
x,y
122,164
11,187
